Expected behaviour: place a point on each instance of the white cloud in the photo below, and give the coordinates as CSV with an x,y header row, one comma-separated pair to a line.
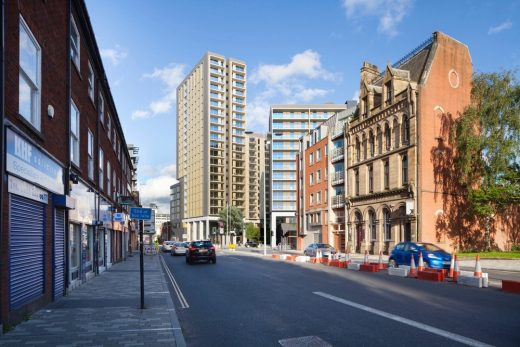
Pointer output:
x,y
157,189
389,12
170,76
499,28
287,84
306,64
114,55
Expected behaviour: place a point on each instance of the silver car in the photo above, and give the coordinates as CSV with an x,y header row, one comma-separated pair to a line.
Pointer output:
x,y
179,248
167,246
325,248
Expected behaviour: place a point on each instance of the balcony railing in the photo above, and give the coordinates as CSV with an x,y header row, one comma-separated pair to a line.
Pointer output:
x,y
338,201
337,177
337,154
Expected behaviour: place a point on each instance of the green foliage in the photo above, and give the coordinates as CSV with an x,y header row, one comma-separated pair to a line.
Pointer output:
x,y
252,232
235,217
488,141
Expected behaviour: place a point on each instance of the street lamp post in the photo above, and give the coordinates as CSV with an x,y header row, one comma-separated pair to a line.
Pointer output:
x,y
265,220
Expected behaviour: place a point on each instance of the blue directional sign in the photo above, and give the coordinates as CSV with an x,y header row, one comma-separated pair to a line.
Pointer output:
x,y
140,213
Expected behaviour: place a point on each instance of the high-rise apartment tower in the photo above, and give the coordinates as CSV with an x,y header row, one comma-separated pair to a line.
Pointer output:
x,y
211,146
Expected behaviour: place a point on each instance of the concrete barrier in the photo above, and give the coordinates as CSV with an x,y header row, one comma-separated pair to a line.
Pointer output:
x,y
398,271
303,259
470,281
353,266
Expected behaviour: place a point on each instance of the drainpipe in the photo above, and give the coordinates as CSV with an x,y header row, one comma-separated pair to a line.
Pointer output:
x,y
417,183
2,92
67,171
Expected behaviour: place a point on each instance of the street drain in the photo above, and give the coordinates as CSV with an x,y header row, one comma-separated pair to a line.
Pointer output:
x,y
304,341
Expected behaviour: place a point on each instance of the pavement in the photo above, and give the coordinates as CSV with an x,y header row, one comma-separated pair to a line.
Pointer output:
x,y
106,311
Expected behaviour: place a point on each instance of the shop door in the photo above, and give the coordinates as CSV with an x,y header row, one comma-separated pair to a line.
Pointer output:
x,y
26,251
74,253
58,275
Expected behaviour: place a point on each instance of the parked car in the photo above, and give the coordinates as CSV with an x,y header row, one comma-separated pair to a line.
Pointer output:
x,y
179,248
251,244
201,250
433,256
325,248
167,246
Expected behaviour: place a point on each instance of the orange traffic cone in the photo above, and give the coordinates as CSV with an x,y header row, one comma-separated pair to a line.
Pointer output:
x,y
452,265
365,261
478,269
456,271
381,266
421,263
413,270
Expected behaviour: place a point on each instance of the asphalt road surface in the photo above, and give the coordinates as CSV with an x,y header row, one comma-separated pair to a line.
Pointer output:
x,y
247,300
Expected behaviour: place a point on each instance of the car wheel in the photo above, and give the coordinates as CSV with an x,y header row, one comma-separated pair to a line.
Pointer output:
x,y
214,260
392,263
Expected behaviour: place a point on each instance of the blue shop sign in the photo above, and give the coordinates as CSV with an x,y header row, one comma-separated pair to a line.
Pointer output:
x,y
140,213
27,161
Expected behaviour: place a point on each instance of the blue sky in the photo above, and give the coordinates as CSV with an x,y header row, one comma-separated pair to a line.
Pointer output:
x,y
297,51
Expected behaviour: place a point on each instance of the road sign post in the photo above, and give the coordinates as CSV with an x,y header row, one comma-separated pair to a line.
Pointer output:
x,y
141,214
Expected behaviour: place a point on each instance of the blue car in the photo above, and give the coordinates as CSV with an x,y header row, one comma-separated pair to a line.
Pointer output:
x,y
433,256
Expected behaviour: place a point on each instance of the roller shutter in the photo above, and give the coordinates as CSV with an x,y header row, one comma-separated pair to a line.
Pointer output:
x,y
58,285
26,251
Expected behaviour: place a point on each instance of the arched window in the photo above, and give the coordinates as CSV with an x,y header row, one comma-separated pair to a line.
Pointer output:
x,y
406,130
379,141
396,134
386,225
372,143
388,137
372,221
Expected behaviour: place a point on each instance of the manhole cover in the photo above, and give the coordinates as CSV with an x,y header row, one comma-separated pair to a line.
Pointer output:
x,y
304,341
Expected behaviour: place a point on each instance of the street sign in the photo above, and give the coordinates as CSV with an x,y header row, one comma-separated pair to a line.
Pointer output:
x,y
119,217
126,200
140,213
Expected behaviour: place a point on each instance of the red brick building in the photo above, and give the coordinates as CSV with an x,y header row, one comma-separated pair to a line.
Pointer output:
x,y
66,159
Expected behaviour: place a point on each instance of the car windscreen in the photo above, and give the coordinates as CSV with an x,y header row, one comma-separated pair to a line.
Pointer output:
x,y
429,247
179,244
323,245
199,244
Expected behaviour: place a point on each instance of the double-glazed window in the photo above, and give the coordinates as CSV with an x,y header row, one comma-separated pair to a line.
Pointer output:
x,y
386,174
101,109
386,224
370,179
109,186
388,137
101,169
90,82
74,133
406,130
109,127
372,144
75,44
372,224
90,153
356,182
404,168
29,94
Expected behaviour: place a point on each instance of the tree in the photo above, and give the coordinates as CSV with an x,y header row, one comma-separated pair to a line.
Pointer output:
x,y
252,232
487,140
235,217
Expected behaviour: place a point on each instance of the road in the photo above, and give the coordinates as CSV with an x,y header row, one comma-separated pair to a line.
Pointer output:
x,y
247,300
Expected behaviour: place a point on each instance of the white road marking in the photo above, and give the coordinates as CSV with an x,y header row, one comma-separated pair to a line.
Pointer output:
x,y
425,327
234,258
180,296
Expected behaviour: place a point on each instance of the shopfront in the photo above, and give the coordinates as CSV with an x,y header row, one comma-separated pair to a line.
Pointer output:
x,y
33,179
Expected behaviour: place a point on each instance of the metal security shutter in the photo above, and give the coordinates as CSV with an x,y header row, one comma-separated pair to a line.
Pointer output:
x,y
58,284
26,245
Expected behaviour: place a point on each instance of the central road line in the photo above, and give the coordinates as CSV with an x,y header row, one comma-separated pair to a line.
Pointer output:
x,y
425,327
178,292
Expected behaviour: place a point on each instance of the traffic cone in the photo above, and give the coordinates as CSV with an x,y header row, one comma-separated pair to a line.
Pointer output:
x,y
365,261
452,265
456,270
413,270
381,266
421,263
478,269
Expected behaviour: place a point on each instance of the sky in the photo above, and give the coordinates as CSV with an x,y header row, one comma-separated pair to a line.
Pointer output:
x,y
296,51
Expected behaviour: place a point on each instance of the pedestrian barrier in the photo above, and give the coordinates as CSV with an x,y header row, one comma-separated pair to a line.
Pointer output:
x,y
437,276
369,267
511,286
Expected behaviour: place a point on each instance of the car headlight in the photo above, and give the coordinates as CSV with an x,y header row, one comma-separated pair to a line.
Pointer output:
x,y
432,256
